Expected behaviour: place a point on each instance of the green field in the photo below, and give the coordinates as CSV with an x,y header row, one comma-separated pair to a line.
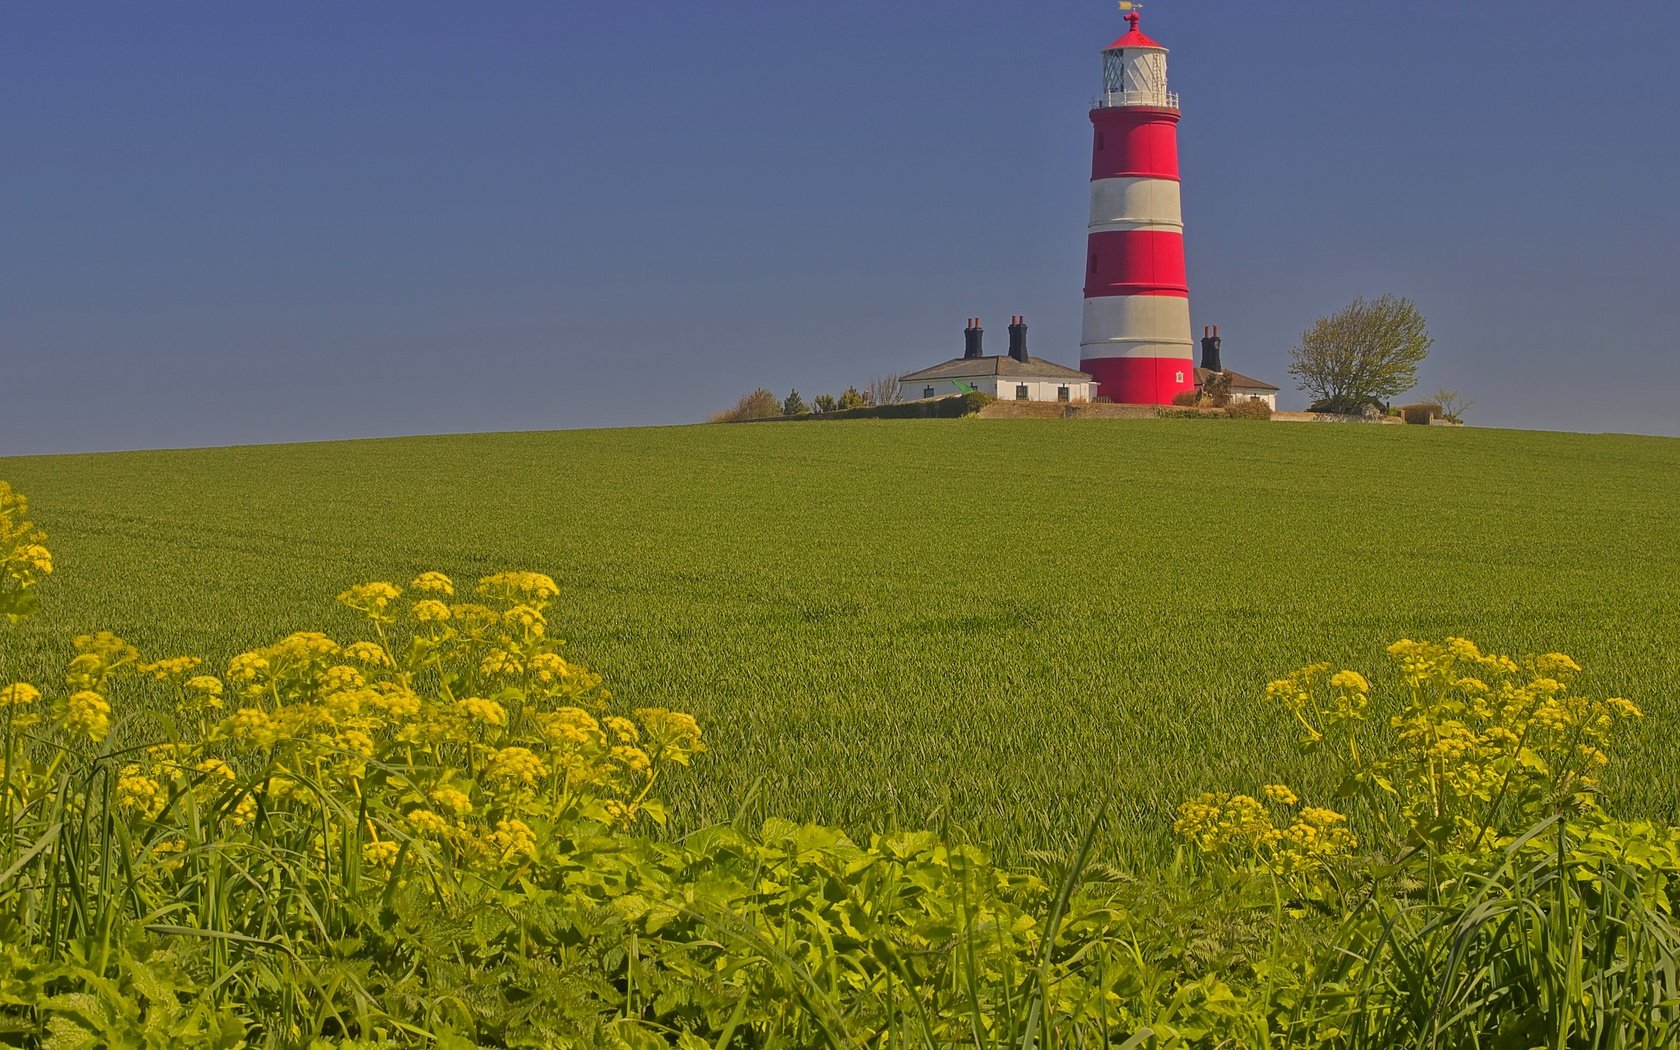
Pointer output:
x,y
997,623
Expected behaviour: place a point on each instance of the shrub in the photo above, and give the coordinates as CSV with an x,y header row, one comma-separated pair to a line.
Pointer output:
x,y
794,405
851,397
760,404
1186,399
1216,390
1248,408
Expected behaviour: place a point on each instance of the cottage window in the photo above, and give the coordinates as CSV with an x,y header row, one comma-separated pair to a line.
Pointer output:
x,y
927,391
1021,392
1062,393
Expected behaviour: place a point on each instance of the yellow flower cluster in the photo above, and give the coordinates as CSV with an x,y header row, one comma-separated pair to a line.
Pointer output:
x,y
18,694
1479,746
24,560
456,734
1242,831
86,713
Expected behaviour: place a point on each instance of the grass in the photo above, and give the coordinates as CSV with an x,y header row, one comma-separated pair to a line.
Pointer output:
x,y
993,623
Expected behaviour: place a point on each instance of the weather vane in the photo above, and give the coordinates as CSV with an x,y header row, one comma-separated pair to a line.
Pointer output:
x,y
1128,5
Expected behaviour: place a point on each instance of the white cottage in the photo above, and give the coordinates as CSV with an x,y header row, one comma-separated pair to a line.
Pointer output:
x,y
1015,376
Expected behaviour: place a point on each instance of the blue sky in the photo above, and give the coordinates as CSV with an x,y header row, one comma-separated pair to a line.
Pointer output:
x,y
240,223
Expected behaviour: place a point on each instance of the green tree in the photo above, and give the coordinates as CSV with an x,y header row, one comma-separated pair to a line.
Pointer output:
x,y
826,403
1365,353
794,405
852,398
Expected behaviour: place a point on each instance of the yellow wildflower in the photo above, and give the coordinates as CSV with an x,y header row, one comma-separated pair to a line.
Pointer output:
x,y
87,712
381,854
246,668
531,588
1280,794
215,767
340,676
393,699
622,728
433,583
37,557
430,610
371,599
1555,664
19,693
473,618
549,667
425,822
1351,681
516,764
139,792
252,727
500,662
206,689
513,838
529,620
371,654
633,758
169,669
1624,707
478,709
453,799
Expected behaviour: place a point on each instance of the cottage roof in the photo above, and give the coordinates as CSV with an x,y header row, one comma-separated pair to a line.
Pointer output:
x,y
1002,365
1238,381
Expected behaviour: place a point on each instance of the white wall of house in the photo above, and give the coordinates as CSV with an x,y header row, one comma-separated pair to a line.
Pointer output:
x,y
1004,388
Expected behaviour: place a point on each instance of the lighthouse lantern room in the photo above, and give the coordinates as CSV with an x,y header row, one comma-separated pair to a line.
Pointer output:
x,y
1136,341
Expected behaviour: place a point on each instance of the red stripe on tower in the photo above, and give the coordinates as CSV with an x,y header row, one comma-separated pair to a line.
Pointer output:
x,y
1136,340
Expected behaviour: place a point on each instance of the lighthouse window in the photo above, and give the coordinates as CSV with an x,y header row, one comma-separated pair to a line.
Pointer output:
x,y
1180,377
1021,392
1114,71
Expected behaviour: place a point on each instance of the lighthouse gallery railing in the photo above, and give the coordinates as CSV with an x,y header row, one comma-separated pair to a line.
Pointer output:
x,y
1112,99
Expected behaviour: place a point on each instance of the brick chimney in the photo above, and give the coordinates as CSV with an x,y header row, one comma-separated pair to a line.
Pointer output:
x,y
1018,339
1210,348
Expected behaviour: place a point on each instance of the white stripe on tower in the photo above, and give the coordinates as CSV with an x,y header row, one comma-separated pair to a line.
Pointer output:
x,y
1136,326
1135,203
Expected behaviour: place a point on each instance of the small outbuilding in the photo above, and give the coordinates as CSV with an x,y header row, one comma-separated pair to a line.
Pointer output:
x,y
1015,376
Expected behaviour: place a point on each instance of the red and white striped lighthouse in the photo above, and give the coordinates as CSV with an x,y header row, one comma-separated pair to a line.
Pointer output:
x,y
1136,341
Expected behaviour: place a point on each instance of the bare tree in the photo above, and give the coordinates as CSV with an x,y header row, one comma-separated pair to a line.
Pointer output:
x,y
883,390
1453,404
1364,353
